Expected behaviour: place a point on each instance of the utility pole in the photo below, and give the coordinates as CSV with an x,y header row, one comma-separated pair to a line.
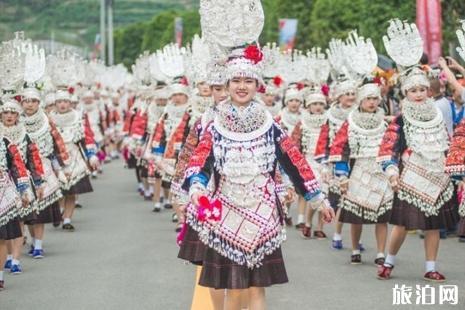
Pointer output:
x,y
103,43
110,33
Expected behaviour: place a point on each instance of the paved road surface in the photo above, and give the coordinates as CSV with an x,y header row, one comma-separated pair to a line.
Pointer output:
x,y
123,256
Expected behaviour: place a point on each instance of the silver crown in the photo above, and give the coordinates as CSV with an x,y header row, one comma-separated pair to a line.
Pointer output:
x,y
231,23
62,68
141,69
34,64
293,66
361,56
271,60
403,43
199,62
171,60
318,66
12,62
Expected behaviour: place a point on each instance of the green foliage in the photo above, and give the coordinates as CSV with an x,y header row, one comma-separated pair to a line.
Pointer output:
x,y
75,21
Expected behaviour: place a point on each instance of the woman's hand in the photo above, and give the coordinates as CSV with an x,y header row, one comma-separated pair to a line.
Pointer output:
x,y
195,198
327,213
24,200
394,181
40,192
344,185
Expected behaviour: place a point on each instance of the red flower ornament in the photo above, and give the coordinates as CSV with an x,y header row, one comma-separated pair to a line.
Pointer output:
x,y
253,53
325,90
277,81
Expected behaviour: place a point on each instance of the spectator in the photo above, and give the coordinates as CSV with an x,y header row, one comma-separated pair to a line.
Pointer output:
x,y
458,90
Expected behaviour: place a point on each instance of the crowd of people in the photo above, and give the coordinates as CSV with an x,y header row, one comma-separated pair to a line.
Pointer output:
x,y
230,138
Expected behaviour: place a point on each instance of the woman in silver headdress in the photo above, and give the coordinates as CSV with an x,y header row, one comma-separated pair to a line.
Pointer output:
x,y
366,194
14,184
240,220
413,153
79,142
14,130
45,135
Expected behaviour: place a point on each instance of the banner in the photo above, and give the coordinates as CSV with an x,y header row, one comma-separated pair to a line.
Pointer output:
x,y
429,23
287,33
178,29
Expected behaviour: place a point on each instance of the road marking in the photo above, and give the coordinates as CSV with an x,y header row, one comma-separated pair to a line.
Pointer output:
x,y
201,299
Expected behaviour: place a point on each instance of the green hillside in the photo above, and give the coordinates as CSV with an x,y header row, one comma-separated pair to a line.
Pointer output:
x,y
75,21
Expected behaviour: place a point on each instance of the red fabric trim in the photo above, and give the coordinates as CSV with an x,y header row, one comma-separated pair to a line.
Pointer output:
x,y
456,156
38,166
116,117
18,162
202,151
59,142
296,134
127,122
139,124
297,159
340,141
320,151
386,149
88,133
177,137
159,130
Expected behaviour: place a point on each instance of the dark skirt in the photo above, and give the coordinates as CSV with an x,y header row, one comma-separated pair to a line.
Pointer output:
x,y
51,214
10,231
461,227
144,172
192,249
349,217
81,187
132,162
411,217
334,200
221,273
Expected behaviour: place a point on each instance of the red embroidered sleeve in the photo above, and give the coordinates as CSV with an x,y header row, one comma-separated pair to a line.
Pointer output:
x,y
18,163
339,143
103,122
89,134
176,140
127,122
201,153
60,147
455,163
296,135
38,172
159,133
139,125
322,144
186,153
116,116
387,149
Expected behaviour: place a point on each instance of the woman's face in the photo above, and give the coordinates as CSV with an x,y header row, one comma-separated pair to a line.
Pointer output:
x,y
347,99
242,90
63,106
9,118
219,93
316,108
30,106
417,94
204,89
179,99
50,108
268,99
293,105
369,104
161,102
